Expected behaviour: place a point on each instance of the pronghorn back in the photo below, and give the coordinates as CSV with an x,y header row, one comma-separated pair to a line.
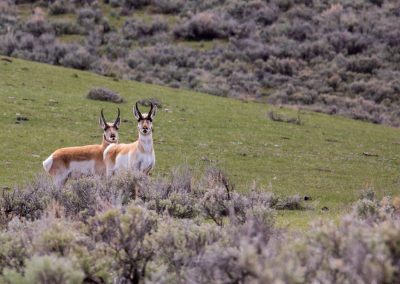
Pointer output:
x,y
62,158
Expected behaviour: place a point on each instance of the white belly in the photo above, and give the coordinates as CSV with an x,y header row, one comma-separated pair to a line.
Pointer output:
x,y
80,168
122,161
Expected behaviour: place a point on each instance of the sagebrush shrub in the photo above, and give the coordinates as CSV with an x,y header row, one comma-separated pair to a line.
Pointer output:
x,y
167,6
205,26
126,235
79,58
363,65
132,228
8,44
103,94
66,28
149,101
87,17
37,27
134,29
47,269
28,202
59,7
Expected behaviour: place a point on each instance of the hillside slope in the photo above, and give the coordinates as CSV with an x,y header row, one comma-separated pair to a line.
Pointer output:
x,y
322,158
337,57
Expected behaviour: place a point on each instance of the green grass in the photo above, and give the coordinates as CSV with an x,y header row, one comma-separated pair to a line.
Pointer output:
x,y
203,44
24,11
322,158
146,15
71,38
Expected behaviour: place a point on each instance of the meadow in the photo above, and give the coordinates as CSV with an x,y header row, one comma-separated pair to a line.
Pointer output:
x,y
329,158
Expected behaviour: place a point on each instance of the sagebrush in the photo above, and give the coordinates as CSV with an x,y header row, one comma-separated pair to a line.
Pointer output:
x,y
132,229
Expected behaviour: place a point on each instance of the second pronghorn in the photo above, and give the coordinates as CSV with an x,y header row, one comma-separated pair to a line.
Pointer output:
x,y
139,155
83,160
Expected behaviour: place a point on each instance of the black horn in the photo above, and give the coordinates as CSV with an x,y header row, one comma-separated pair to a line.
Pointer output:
x,y
150,112
103,119
102,116
118,119
138,111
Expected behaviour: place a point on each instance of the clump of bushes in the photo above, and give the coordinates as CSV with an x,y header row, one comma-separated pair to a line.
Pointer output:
x,y
59,7
66,28
167,6
37,27
205,26
89,17
134,29
129,4
149,101
103,94
133,229
46,269
281,118
78,57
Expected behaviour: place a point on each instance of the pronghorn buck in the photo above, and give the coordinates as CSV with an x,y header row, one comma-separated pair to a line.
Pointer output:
x,y
84,160
139,155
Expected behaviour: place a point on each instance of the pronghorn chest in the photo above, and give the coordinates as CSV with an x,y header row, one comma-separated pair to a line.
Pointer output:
x,y
144,158
143,161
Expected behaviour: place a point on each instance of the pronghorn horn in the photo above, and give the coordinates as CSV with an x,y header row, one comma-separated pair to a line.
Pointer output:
x,y
118,118
138,111
102,117
150,112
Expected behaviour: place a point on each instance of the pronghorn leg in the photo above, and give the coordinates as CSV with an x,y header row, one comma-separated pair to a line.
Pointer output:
x,y
109,171
60,180
147,171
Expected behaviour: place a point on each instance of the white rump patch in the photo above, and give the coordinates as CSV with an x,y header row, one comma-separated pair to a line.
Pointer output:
x,y
48,163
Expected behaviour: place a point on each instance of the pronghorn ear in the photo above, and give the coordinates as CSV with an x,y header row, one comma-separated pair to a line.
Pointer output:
x,y
153,111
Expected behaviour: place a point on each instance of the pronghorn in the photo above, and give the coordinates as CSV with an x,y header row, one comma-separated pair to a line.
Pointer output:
x,y
84,160
139,155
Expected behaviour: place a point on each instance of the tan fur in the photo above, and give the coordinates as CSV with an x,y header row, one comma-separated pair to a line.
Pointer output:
x,y
59,162
62,157
120,149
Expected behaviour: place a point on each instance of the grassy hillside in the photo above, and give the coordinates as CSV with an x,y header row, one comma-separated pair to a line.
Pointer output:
x,y
333,56
322,158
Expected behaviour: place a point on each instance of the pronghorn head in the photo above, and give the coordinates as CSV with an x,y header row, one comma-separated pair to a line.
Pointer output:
x,y
145,120
110,129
